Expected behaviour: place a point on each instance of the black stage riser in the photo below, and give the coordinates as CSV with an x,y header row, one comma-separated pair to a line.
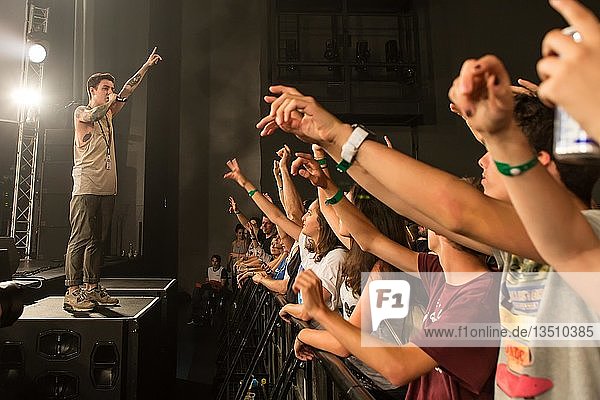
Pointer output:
x,y
166,290
108,354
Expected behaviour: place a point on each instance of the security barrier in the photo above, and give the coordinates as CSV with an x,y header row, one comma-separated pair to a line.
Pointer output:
x,y
257,361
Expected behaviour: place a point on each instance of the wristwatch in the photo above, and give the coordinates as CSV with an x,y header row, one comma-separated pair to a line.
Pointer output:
x,y
350,148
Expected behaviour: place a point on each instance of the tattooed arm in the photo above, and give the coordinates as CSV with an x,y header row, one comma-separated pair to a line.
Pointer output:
x,y
85,117
89,115
135,80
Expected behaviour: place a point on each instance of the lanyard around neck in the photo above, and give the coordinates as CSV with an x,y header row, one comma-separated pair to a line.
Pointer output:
x,y
104,136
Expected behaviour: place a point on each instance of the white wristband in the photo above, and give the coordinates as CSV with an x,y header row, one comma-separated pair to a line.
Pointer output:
x,y
350,148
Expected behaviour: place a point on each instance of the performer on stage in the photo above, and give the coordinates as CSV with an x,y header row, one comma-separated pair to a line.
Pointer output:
x,y
94,187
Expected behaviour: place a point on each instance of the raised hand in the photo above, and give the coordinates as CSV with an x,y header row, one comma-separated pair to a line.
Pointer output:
x,y
235,173
284,154
252,228
312,292
153,58
297,114
277,172
306,166
232,205
482,95
570,67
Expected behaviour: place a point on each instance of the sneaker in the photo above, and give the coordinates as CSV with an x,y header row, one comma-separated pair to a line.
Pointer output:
x,y
100,296
77,300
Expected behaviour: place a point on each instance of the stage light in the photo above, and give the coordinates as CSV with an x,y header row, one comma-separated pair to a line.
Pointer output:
x,y
27,97
37,53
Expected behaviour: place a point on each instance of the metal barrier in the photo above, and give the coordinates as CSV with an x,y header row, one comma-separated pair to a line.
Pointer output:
x,y
257,361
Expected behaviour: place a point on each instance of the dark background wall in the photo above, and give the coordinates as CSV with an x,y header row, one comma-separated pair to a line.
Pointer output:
x,y
198,108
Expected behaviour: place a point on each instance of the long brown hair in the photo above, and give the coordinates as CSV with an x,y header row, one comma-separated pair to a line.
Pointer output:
x,y
388,222
327,237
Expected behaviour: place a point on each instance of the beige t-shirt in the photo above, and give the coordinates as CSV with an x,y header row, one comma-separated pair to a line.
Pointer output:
x,y
90,173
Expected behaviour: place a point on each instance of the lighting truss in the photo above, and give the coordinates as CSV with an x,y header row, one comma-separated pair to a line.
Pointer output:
x,y
32,75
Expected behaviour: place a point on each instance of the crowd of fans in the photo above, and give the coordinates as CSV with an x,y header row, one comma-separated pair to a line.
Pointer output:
x,y
530,209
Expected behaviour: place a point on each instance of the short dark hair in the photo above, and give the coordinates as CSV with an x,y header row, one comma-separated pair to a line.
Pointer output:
x,y
537,123
217,257
95,79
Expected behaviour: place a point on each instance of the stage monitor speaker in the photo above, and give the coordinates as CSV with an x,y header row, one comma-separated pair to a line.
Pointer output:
x,y
106,354
9,258
166,290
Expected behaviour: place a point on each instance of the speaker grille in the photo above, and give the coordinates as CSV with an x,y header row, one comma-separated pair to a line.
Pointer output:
x,y
57,385
104,365
59,344
12,362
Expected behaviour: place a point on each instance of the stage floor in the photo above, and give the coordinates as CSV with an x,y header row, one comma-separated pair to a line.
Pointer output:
x,y
52,308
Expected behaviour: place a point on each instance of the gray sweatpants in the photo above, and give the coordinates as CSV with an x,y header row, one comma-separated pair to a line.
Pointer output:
x,y
90,217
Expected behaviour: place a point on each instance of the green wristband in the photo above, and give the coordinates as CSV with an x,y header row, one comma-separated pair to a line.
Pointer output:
x,y
321,161
343,166
336,198
251,192
515,170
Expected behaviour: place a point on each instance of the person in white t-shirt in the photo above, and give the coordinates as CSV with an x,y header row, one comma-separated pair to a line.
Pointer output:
x,y
213,287
320,249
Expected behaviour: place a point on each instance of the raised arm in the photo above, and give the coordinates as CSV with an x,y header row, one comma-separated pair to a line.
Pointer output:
x,y
133,82
318,174
551,214
267,207
278,181
292,202
366,235
456,206
233,208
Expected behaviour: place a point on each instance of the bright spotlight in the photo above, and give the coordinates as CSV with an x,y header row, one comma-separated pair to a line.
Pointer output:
x,y
37,53
27,97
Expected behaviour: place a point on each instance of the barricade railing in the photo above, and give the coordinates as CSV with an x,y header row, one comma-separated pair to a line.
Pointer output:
x,y
257,361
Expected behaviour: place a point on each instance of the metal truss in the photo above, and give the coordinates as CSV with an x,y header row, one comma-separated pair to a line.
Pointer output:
x,y
32,75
